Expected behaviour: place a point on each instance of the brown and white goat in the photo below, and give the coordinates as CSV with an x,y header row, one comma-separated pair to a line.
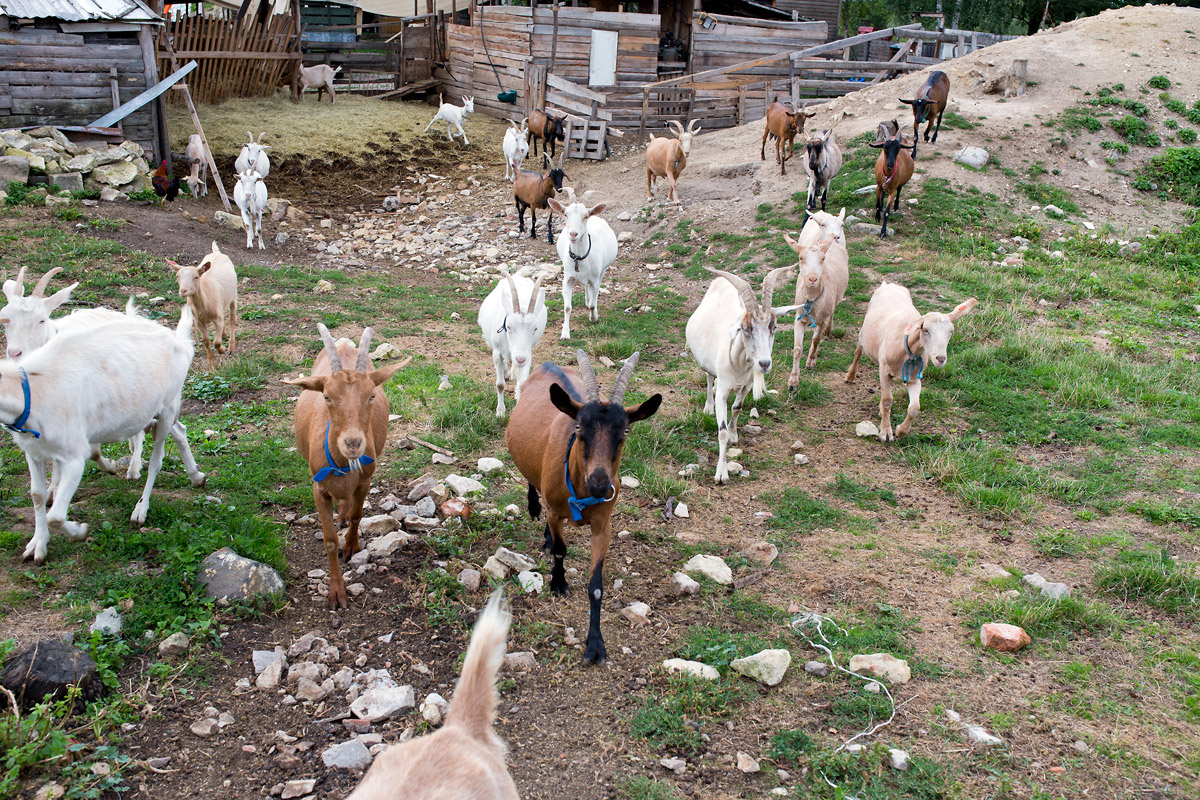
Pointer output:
x,y
341,428
930,100
533,190
893,169
666,158
567,443
783,125
547,129
210,288
464,759
902,342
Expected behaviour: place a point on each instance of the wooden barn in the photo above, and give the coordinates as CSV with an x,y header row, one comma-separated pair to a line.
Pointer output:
x,y
69,62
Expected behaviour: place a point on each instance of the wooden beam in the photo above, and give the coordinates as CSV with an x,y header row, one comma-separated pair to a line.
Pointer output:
x,y
854,66
187,98
194,54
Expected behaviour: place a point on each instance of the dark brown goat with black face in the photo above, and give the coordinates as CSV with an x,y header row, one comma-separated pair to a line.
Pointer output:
x,y
929,102
547,129
567,443
893,169
533,190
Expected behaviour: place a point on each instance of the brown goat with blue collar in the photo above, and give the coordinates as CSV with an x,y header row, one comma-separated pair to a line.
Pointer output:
x,y
567,443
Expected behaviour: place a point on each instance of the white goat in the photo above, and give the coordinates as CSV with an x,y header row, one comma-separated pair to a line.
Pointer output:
x,y
250,195
587,247
822,162
319,77
254,156
453,115
28,326
516,147
197,181
513,319
902,342
210,289
823,225
98,384
731,336
824,273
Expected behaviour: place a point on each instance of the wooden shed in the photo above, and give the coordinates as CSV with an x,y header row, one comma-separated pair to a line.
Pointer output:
x,y
69,62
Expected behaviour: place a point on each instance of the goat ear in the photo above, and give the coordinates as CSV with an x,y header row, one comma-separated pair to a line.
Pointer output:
x,y
825,245
779,311
562,401
875,144
557,206
907,102
792,243
842,214
173,265
383,374
61,296
597,209
913,331
962,309
204,266
645,410
315,383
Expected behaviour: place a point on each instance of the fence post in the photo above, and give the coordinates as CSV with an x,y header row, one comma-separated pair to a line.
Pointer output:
x,y
645,113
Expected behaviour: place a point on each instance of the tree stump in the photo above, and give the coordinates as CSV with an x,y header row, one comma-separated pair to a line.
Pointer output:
x,y
1017,77
50,667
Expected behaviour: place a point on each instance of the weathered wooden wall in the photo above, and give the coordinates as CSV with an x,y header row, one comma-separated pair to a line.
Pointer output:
x,y
733,42
52,78
827,11
637,43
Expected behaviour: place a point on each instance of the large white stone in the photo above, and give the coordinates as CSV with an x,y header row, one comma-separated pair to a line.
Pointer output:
x,y
682,584
882,665
379,704
264,658
489,465
866,428
679,666
514,561
530,582
974,157
463,486
767,667
389,543
347,755
713,567
378,525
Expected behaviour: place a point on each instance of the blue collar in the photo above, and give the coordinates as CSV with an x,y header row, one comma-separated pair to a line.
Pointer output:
x,y
504,325
806,314
333,469
574,502
913,361
18,425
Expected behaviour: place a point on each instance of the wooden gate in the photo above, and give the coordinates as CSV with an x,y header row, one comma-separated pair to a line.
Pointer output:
x,y
248,59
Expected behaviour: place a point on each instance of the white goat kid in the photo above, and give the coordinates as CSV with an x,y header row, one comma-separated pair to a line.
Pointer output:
x,y
821,280
902,342
210,288
513,319
516,148
254,156
197,180
823,160
822,225
731,336
99,384
250,195
588,247
453,115
319,77
28,326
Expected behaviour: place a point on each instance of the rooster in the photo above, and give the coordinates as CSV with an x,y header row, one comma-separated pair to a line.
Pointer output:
x,y
164,184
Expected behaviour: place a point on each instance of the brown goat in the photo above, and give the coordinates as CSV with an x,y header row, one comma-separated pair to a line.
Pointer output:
x,y
341,418
567,443
548,130
893,168
783,125
533,190
931,99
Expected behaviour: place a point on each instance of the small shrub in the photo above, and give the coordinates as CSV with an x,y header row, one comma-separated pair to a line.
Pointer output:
x,y
640,787
1077,118
1028,229
1120,147
143,196
207,388
1186,135
1135,131
1159,82
1176,171
789,746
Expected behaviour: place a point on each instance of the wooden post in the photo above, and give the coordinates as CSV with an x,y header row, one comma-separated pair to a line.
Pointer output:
x,y
157,115
795,87
691,106
553,42
741,106
187,98
403,66
116,95
645,113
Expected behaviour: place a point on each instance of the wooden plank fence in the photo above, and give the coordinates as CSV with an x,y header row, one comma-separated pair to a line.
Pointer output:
x,y
235,59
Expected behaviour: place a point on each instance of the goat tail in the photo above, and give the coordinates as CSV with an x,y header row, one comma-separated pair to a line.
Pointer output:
x,y
339,69
535,503
186,320
475,699
131,308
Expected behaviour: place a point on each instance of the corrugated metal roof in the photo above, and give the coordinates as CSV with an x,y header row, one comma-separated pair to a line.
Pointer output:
x,y
79,10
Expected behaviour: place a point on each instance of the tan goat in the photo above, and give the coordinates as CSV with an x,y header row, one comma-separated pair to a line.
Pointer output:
x,y
341,428
824,273
902,342
783,125
666,158
210,288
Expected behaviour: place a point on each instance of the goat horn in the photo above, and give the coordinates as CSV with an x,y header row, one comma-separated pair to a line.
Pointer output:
x,y
675,124
335,361
561,156
743,288
250,136
20,281
514,300
264,133
40,289
364,351
537,287
692,125
591,389
769,284
618,392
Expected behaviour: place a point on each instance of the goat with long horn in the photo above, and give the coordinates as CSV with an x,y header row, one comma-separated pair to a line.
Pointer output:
x,y
512,319
341,428
731,335
567,443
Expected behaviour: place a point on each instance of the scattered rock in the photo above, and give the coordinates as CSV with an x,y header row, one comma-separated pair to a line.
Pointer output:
x,y
226,220
679,666
227,576
426,507
682,584
108,194
898,760
817,668
1054,211
489,465
434,709
681,510
49,667
712,567
974,157
383,703
882,665
378,525
268,680
978,735
386,545
455,507
107,621
174,645
444,384
530,582
14,169
1003,637
205,728
443,459
676,765
624,236
637,613
347,755
70,181
989,572
747,763
1055,591
309,691
323,287
264,658
293,789
496,568
866,428
115,174
523,661
767,666
470,578
421,488
514,561
385,350
630,482
763,553
464,486
800,459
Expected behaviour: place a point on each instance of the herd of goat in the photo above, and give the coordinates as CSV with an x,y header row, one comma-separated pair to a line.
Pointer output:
x,y
96,376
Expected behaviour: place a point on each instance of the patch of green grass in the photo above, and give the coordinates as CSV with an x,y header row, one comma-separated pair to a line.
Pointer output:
x,y
639,787
957,121
1159,82
1175,171
1136,130
790,746
1045,194
1043,618
663,718
798,514
866,775
1184,664
1120,147
865,497
441,591
717,647
1168,513
1186,136
1154,578
1075,119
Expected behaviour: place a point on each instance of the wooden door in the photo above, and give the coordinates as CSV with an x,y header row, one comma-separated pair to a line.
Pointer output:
x,y
602,69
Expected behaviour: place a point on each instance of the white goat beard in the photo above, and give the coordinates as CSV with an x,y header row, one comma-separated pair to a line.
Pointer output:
x,y
760,384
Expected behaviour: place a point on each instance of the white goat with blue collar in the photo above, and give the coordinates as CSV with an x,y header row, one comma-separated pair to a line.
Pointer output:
x,y
513,319
587,247
102,383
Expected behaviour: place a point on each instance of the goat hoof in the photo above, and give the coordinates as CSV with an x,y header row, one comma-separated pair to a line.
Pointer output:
x,y
199,480
595,653
793,381
337,598
560,589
